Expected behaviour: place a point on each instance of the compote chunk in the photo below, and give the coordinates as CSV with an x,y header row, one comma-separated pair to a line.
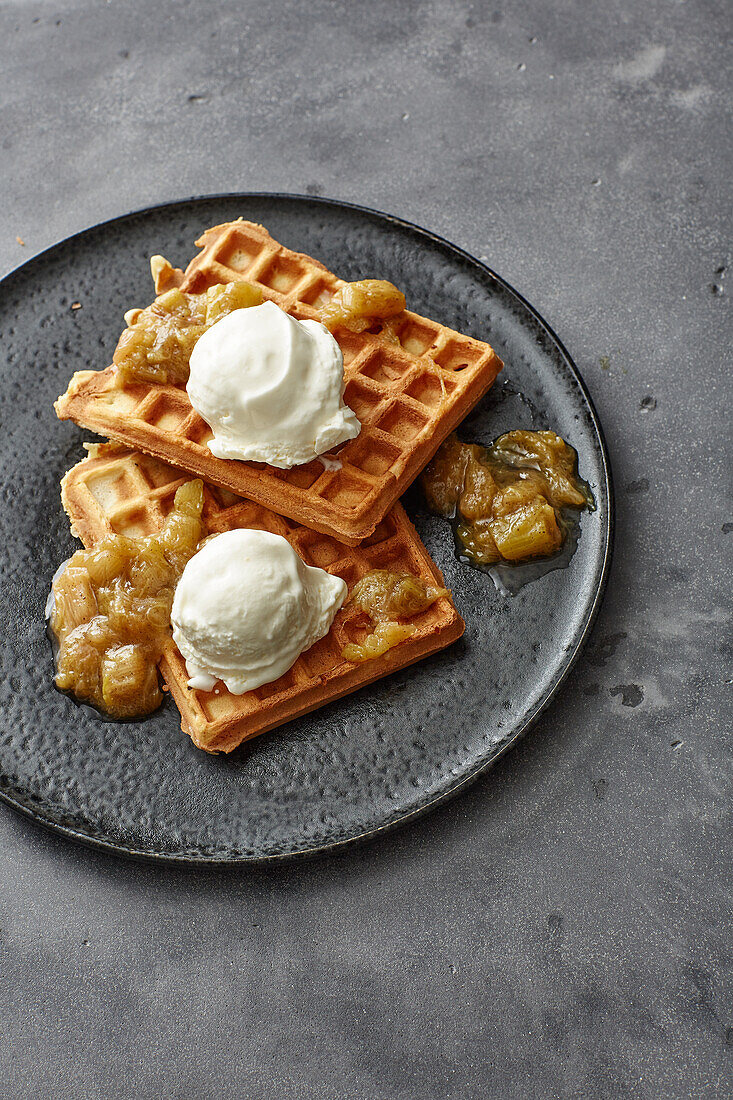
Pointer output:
x,y
386,597
157,345
358,306
508,498
111,611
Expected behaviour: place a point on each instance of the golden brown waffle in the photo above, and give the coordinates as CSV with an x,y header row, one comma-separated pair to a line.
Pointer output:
x,y
408,396
131,493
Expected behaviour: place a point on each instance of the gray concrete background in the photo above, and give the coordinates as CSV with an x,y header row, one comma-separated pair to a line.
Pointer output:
x,y
563,929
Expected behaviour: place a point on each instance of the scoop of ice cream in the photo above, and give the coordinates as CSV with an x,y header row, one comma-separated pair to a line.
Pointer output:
x,y
246,607
271,388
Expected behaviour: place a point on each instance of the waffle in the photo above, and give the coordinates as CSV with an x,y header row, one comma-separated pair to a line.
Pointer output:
x,y
116,490
408,396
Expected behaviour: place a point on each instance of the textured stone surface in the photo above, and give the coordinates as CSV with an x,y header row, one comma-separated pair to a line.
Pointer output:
x,y
563,929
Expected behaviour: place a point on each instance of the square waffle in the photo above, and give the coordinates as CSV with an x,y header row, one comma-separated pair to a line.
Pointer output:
x,y
116,490
408,396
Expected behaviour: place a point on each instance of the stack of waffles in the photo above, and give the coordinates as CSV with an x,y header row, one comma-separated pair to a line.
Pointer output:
x,y
409,387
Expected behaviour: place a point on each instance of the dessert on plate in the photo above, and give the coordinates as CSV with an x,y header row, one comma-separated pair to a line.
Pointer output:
x,y
408,380
119,492
243,532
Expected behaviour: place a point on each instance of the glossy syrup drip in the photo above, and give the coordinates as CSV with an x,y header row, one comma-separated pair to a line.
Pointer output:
x,y
55,647
509,578
83,705
514,507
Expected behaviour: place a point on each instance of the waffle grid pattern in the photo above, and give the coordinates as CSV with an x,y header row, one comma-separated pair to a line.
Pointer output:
x,y
131,493
408,396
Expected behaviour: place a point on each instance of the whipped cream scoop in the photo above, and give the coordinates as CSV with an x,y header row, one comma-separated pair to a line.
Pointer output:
x,y
270,387
246,607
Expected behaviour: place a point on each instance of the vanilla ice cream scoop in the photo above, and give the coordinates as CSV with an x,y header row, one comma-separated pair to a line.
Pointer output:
x,y
271,388
246,607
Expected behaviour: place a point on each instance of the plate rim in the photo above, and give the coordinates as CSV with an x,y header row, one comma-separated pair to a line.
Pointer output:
x,y
121,850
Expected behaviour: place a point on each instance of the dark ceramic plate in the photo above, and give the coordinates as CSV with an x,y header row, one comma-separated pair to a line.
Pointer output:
x,y
359,765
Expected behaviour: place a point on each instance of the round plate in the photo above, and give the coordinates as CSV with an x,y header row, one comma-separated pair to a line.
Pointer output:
x,y
359,765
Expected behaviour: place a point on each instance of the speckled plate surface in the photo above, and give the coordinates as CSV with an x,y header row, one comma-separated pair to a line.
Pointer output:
x,y
359,765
